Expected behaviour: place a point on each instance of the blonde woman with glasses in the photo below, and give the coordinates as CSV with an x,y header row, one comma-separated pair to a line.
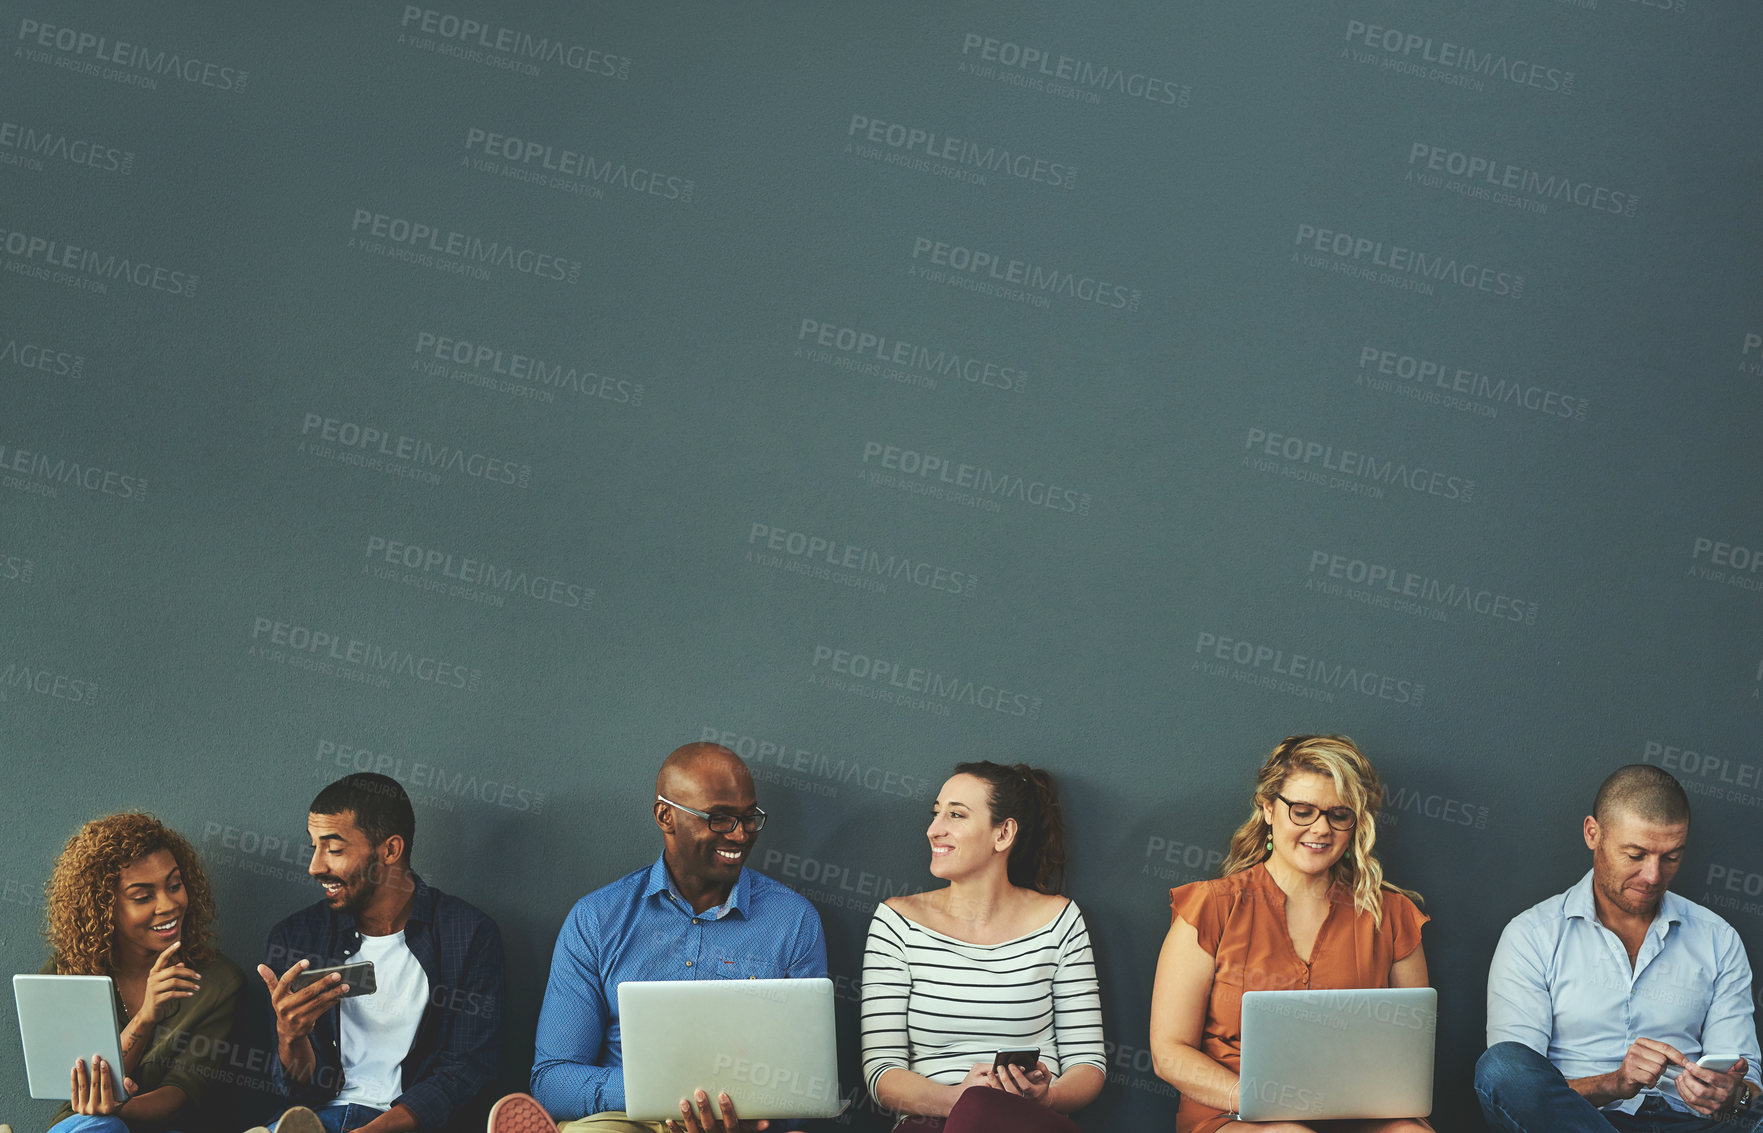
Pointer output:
x,y
1300,902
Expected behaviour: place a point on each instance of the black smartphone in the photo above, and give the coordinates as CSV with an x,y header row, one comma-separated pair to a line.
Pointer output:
x,y
1026,1060
359,977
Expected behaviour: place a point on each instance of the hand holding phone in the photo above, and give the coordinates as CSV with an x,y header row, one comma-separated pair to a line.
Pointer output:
x,y
359,977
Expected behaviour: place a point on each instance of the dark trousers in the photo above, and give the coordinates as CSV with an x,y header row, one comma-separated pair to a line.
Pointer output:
x,y
1521,1092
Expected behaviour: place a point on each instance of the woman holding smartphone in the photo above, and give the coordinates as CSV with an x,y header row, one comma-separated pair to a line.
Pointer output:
x,y
1301,903
995,962
128,899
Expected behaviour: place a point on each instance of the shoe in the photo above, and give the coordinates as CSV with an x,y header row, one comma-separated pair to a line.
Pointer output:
x,y
518,1113
299,1119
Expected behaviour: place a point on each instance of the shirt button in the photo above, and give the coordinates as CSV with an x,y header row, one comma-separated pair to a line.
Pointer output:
x,y
694,920
688,963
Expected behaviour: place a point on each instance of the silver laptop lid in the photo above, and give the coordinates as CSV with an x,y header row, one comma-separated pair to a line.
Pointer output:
x,y
1325,1055
768,1043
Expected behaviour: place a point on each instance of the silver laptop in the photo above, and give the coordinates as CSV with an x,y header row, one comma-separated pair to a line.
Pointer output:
x,y
61,1019
768,1044
1324,1055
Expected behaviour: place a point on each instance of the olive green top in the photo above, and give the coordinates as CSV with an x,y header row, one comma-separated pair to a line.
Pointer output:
x,y
189,1045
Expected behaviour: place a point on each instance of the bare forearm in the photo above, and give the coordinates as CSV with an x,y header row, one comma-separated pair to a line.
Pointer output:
x,y
1599,1089
905,1092
1074,1089
1197,1076
298,1060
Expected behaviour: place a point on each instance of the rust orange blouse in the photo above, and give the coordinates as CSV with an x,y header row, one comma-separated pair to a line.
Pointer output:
x,y
1241,922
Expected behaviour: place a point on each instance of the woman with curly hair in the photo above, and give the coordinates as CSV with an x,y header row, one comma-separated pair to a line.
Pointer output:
x,y
1301,903
128,899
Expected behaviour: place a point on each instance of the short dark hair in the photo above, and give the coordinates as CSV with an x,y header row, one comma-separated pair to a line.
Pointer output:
x,y
378,802
1649,793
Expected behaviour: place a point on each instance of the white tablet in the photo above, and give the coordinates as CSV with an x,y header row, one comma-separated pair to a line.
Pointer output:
x,y
768,1044
62,1019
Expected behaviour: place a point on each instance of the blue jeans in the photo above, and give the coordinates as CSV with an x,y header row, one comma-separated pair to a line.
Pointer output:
x,y
336,1118
85,1123
1521,1092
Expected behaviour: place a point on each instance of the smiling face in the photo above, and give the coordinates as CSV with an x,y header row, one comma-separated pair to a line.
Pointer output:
x,y
1314,849
150,905
349,867
701,860
963,838
1634,860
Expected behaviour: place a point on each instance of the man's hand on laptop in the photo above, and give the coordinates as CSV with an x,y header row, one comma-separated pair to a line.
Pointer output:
x,y
1710,1092
703,1119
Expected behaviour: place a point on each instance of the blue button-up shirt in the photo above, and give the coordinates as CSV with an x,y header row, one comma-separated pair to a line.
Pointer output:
x,y
452,1058
1561,984
640,928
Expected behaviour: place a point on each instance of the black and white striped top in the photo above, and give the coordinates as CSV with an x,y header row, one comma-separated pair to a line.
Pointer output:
x,y
936,1005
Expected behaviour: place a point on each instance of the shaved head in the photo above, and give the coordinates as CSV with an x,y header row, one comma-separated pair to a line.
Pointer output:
x,y
689,769
1642,791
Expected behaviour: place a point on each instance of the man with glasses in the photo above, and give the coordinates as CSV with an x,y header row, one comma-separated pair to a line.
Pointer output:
x,y
1619,1004
696,913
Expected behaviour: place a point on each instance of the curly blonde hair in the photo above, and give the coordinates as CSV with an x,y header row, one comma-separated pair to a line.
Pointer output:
x,y
81,896
1357,784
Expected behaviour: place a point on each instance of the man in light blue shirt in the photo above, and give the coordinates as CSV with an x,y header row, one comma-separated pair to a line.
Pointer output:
x,y
1602,1000
696,913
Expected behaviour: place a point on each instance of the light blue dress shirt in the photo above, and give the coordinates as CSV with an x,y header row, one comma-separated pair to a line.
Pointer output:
x,y
1561,985
640,928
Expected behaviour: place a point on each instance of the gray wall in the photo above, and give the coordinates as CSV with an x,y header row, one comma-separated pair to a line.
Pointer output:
x,y
1119,388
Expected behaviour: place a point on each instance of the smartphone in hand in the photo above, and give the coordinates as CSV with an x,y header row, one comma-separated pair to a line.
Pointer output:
x,y
359,977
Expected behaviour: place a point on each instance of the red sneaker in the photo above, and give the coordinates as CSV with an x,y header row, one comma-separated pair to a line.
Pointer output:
x,y
520,1113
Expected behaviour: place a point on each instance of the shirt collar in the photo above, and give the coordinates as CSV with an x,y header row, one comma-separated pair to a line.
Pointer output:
x,y
661,881
1578,903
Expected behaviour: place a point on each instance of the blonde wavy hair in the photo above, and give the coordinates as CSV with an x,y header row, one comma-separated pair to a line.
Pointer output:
x,y
1359,788
81,896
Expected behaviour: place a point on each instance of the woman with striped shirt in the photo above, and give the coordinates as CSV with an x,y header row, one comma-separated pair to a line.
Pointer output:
x,y
995,960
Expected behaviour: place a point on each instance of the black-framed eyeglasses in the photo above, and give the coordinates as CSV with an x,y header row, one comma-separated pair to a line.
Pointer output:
x,y
752,822
1306,814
